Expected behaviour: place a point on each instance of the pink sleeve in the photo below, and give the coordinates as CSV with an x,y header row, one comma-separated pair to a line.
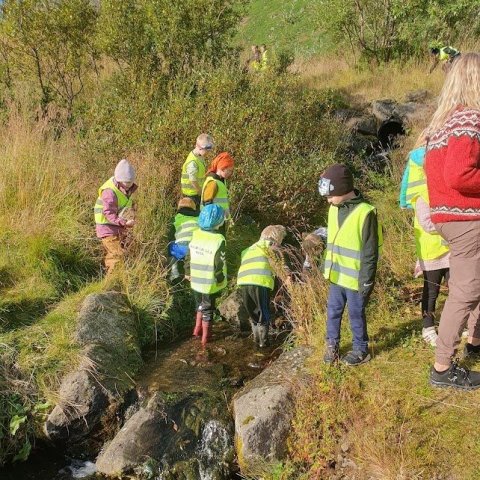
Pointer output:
x,y
462,164
110,208
422,211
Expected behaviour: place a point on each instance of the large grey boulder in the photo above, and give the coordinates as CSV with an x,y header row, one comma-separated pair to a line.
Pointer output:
x,y
139,439
183,435
107,333
408,112
264,409
365,125
234,312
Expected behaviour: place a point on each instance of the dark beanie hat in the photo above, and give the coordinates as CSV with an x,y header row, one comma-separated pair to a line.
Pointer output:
x,y
335,180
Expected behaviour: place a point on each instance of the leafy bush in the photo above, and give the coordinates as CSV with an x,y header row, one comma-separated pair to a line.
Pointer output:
x,y
397,29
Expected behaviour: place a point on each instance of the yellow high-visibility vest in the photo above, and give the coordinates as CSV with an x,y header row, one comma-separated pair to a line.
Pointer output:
x,y
122,200
255,267
417,183
184,225
344,246
221,198
187,187
203,248
429,246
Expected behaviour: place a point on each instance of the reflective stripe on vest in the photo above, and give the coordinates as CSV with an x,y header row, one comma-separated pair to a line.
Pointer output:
x,y
203,248
416,181
187,187
429,246
344,245
122,201
255,267
221,198
184,227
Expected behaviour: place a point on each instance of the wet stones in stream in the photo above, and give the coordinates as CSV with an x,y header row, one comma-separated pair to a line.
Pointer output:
x,y
179,436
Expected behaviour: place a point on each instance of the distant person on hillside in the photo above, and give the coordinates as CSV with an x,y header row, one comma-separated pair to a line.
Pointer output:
x,y
263,58
432,250
215,187
255,57
184,224
194,167
256,280
452,166
447,55
114,213
353,241
208,268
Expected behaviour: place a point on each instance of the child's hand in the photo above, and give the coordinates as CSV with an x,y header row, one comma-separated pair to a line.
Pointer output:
x,y
130,223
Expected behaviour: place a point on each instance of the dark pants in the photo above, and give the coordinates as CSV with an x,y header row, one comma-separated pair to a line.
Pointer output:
x,y
205,303
431,288
256,301
338,297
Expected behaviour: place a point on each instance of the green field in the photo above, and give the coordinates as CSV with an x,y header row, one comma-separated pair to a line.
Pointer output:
x,y
284,25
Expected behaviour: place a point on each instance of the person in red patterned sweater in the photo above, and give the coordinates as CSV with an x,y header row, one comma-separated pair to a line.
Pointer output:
x,y
452,167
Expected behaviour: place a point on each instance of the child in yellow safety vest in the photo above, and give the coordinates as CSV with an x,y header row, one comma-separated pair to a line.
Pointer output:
x,y
113,207
215,187
184,224
256,281
208,268
350,263
194,169
432,251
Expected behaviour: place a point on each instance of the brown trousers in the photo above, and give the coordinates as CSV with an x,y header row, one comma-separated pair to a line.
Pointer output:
x,y
463,302
114,252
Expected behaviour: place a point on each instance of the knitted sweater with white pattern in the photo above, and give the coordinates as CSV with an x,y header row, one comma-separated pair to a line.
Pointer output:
x,y
452,166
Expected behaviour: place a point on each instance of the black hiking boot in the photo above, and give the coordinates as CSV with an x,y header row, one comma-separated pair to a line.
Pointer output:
x,y
456,377
331,354
355,358
471,350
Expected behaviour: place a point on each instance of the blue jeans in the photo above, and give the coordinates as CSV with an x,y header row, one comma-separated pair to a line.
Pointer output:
x,y
338,297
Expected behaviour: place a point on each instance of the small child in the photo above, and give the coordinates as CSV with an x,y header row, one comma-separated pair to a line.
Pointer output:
x,y
193,169
432,251
215,187
351,256
208,268
256,281
184,224
114,197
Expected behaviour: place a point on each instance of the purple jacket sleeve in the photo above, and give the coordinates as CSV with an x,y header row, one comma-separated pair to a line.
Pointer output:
x,y
110,208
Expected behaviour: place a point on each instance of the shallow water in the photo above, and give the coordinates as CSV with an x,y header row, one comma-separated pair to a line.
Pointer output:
x,y
229,362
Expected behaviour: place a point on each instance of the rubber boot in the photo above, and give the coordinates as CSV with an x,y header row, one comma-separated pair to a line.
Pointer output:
x,y
197,331
206,333
262,335
256,338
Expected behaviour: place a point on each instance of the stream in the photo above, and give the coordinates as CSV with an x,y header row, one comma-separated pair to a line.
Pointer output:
x,y
200,387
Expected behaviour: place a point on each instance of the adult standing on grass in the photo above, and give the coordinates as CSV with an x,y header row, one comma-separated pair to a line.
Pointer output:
x,y
452,166
114,199
194,169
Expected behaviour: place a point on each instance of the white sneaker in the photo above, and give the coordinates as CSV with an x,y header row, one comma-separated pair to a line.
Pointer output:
x,y
430,336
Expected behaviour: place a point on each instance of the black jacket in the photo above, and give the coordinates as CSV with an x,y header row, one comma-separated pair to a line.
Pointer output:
x,y
370,243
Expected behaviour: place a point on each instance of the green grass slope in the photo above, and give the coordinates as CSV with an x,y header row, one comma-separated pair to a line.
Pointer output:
x,y
284,25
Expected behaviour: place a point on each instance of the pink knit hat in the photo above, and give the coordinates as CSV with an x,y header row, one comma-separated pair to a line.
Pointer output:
x,y
124,172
